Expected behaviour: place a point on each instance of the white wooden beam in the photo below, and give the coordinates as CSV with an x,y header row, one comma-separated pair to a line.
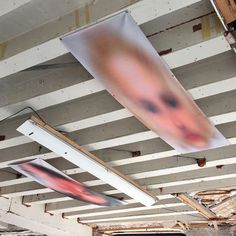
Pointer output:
x,y
82,206
219,119
51,197
226,172
213,88
117,141
64,77
139,214
93,86
190,181
156,8
99,210
198,52
10,5
56,97
142,11
159,217
81,89
169,168
3,225
201,186
72,215
35,219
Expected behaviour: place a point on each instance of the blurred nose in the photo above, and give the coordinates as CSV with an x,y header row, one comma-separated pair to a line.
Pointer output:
x,y
177,122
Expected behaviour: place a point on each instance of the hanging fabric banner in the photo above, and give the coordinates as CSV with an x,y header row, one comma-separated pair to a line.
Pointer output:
x,y
116,52
47,175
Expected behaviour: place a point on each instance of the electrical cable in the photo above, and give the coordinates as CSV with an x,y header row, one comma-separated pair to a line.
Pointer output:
x,y
25,108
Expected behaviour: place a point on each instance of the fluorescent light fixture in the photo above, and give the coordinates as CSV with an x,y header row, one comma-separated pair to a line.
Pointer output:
x,y
40,132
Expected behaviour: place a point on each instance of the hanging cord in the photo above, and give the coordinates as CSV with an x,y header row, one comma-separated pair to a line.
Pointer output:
x,y
35,112
25,108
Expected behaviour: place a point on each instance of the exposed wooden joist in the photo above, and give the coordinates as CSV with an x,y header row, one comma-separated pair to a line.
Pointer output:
x,y
158,180
188,188
132,215
178,179
83,207
50,155
72,215
197,93
165,179
72,205
116,163
53,48
188,200
32,188
225,103
10,5
77,209
159,217
3,225
93,86
194,53
123,162
36,220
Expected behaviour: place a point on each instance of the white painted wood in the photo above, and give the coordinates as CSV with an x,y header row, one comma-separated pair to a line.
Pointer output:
x,y
33,15
146,11
227,176
13,191
142,136
97,120
198,52
10,5
136,217
74,207
36,220
184,178
3,225
161,211
64,204
92,86
38,49
213,88
55,97
53,48
185,188
117,141
31,57
124,211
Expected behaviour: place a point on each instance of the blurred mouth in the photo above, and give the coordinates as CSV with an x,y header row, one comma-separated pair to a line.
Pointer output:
x,y
192,137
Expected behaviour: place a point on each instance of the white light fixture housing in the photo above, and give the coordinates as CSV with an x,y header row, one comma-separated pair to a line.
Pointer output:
x,y
42,133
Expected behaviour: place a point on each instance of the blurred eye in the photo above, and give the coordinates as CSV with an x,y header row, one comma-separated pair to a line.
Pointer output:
x,y
170,101
149,106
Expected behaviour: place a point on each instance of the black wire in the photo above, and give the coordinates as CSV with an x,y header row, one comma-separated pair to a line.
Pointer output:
x,y
25,108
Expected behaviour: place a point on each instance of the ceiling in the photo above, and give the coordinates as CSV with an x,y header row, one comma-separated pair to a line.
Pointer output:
x,y
37,71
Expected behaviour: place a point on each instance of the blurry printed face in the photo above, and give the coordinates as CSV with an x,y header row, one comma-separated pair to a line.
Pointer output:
x,y
66,186
155,98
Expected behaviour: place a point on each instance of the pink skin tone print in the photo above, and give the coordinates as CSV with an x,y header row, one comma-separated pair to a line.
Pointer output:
x,y
65,185
150,91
